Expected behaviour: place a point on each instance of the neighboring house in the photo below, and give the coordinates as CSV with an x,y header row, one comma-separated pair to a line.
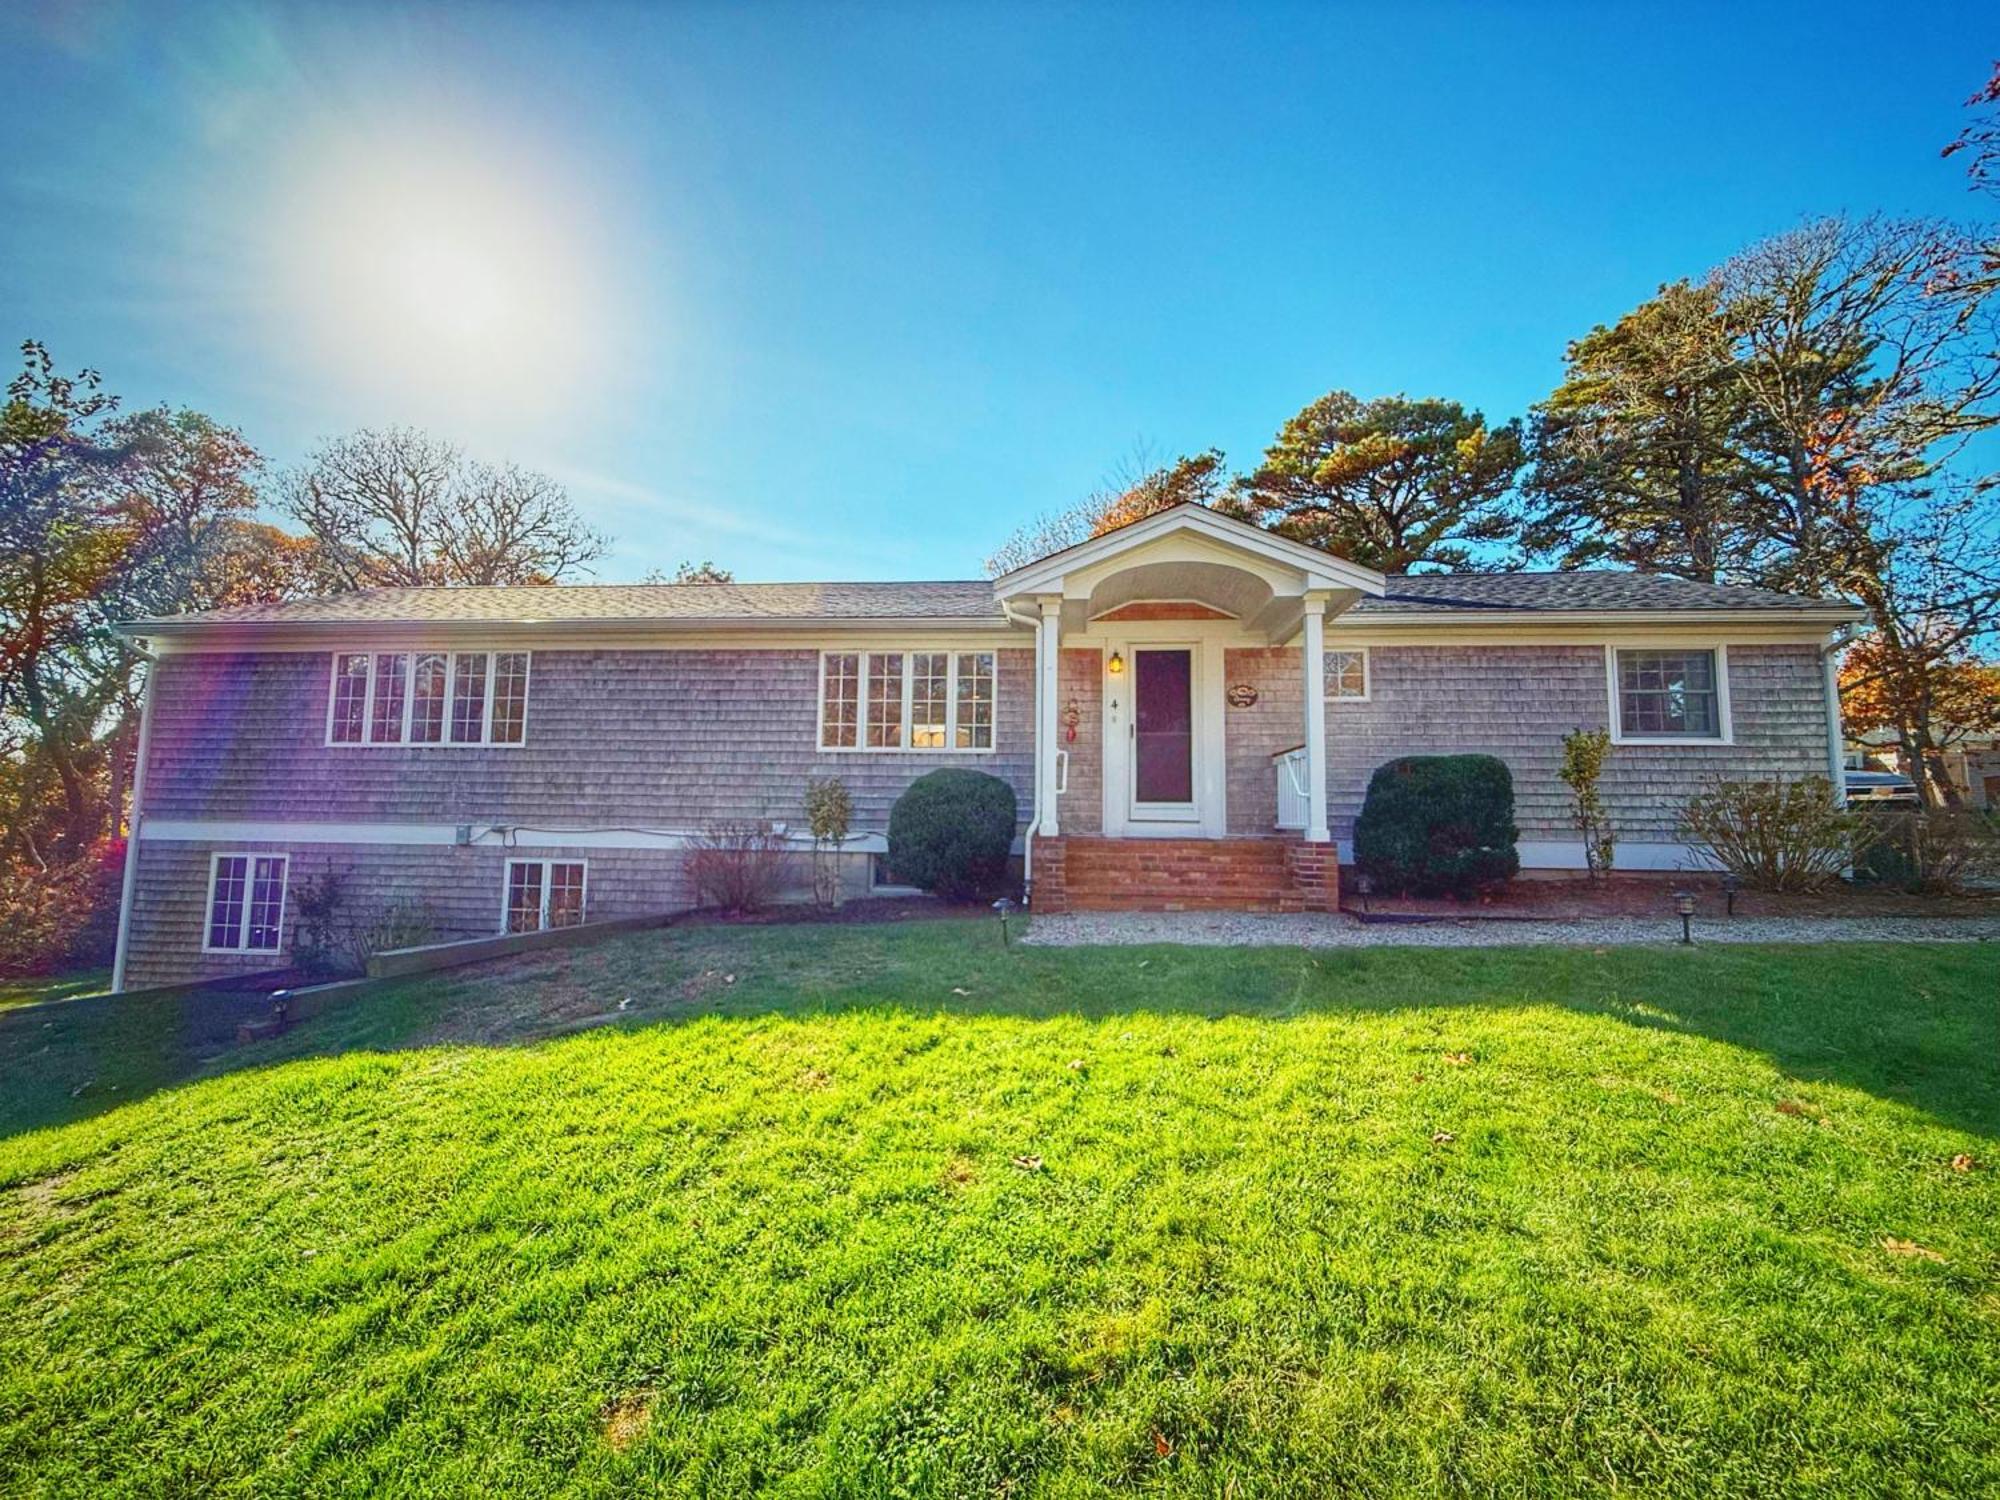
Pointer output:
x,y
1188,709
1972,761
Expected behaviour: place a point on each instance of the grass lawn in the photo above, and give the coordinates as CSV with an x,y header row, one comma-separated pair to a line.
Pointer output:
x,y
68,986
889,1210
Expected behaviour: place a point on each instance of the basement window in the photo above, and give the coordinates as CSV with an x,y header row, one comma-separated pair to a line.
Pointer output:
x,y
542,894
246,903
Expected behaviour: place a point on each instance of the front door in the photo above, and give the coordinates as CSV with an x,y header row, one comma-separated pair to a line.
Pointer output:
x,y
1163,733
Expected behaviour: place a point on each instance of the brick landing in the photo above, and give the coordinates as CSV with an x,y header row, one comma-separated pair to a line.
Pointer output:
x,y
1235,874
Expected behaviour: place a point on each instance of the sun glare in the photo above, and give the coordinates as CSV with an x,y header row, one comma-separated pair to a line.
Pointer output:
x,y
441,279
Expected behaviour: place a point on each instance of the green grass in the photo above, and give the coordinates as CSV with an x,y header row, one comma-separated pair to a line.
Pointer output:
x,y
68,986
889,1210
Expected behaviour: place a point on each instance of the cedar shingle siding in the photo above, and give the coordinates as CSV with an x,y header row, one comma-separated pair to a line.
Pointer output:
x,y
652,739
1517,702
669,740
680,739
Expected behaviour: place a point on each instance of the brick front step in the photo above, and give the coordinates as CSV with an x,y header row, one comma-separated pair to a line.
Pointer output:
x,y
1236,874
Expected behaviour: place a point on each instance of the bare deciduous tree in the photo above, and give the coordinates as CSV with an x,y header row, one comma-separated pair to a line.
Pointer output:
x,y
397,506
1137,488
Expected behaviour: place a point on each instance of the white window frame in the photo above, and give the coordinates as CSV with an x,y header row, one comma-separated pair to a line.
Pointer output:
x,y
1725,718
445,741
542,925
1332,679
249,889
861,745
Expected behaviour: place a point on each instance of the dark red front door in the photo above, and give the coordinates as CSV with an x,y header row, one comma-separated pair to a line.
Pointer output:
x,y
1162,686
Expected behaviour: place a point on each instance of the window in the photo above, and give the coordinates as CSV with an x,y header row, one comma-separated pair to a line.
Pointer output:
x,y
510,697
246,903
428,698
885,700
468,698
906,700
930,699
349,710
972,726
385,721
543,893
1671,696
839,700
1346,674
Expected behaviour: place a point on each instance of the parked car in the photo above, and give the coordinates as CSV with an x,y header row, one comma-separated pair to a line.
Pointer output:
x,y
1881,788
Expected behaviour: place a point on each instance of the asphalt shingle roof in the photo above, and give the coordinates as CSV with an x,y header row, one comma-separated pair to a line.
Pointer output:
x,y
1541,593
725,603
627,601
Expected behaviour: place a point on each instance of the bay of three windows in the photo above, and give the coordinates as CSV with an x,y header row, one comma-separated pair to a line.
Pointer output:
x,y
429,698
906,700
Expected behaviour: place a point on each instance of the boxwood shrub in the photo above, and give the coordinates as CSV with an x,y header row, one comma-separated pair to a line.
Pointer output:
x,y
1438,825
951,832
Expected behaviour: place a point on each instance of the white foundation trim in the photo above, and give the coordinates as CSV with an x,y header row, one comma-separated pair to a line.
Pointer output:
x,y
1567,854
490,835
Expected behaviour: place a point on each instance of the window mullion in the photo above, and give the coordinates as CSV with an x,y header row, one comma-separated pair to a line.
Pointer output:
x,y
486,715
951,700
409,693
368,702
905,736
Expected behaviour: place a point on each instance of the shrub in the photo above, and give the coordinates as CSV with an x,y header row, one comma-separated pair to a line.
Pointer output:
x,y
738,867
59,915
401,924
829,812
319,943
1584,754
1438,825
1930,849
1776,835
951,833
328,939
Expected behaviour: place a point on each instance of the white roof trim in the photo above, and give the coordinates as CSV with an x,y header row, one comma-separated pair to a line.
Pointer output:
x,y
1322,569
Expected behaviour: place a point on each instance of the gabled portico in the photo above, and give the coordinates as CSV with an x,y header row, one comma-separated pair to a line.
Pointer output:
x,y
1140,639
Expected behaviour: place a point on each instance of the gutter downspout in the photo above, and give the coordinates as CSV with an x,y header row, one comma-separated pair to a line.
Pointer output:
x,y
1044,714
131,873
1836,738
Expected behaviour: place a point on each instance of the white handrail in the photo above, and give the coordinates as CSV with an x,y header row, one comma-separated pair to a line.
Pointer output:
x,y
1291,778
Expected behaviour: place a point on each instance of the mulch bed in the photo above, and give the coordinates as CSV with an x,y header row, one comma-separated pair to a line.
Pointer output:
x,y
1532,900
860,909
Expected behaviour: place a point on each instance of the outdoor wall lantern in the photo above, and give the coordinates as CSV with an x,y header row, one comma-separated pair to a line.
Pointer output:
x,y
1684,905
1116,665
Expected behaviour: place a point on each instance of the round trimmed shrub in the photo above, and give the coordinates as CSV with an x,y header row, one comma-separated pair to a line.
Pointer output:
x,y
951,832
1438,825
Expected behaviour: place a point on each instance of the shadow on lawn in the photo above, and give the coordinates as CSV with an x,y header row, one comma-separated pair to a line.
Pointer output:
x,y
1918,1025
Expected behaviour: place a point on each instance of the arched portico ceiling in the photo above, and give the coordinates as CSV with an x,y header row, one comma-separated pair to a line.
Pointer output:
x,y
1189,554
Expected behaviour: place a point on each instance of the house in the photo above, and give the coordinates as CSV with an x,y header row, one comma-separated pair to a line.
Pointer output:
x,y
1188,709
1971,761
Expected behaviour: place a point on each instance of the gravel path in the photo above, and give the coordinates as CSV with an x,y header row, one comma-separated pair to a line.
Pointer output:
x,y
1260,929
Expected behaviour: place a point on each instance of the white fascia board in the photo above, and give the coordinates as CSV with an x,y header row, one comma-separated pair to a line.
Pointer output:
x,y
989,631
1648,619
1047,573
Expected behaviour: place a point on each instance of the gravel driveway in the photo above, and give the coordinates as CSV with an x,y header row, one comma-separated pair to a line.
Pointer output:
x,y
1324,930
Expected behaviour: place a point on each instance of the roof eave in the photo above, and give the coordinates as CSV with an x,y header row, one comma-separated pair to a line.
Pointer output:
x,y
196,628
1843,614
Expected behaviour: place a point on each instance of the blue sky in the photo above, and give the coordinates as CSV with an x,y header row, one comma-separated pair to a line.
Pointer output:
x,y
832,291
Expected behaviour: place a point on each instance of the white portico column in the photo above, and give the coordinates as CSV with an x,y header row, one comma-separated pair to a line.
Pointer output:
x,y
1315,674
1049,659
